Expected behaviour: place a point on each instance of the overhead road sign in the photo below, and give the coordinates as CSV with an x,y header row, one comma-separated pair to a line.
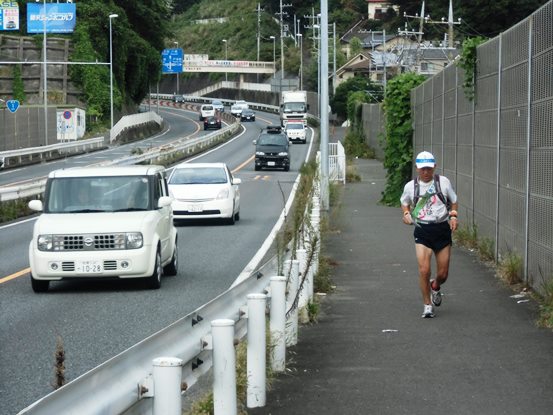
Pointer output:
x,y
171,60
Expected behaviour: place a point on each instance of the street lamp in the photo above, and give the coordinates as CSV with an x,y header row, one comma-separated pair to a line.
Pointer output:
x,y
226,58
301,60
111,16
177,74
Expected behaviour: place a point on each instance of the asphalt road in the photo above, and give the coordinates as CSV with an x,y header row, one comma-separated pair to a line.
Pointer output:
x,y
96,320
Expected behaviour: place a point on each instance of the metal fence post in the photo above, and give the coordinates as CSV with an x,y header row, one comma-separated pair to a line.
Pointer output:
x,y
256,361
167,374
224,367
278,323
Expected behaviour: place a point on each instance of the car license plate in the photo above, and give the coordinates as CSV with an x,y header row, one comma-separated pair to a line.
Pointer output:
x,y
270,163
195,208
88,267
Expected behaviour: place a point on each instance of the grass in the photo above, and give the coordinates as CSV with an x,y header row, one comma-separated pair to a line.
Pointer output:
x,y
508,269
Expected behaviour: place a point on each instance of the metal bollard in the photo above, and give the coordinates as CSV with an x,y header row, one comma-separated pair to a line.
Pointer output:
x,y
277,323
256,361
291,308
224,367
167,374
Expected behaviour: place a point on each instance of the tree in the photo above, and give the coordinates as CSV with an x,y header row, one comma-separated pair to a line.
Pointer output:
x,y
339,102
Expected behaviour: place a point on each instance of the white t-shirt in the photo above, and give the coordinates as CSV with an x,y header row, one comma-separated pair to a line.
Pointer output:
x,y
434,210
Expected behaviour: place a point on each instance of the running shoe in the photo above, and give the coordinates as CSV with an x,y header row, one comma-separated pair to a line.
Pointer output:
x,y
428,311
436,296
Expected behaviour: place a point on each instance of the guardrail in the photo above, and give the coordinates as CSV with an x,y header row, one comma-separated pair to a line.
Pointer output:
x,y
133,120
190,146
46,151
127,382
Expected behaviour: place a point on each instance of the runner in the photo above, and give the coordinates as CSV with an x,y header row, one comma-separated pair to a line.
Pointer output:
x,y
430,203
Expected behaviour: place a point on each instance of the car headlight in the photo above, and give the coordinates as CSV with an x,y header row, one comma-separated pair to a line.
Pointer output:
x,y
134,240
223,194
45,242
259,153
283,153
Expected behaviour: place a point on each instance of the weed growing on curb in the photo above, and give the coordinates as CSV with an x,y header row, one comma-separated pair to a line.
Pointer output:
x,y
59,367
545,298
467,236
510,268
486,249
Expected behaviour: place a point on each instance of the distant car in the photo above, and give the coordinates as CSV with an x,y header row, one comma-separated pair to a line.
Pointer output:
x,y
247,115
212,122
271,149
295,131
178,98
218,105
204,191
237,107
206,110
10,24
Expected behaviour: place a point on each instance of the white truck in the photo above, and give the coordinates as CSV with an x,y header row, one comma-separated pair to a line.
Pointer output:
x,y
293,107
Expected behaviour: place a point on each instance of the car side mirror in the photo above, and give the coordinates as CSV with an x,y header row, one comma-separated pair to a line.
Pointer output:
x,y
236,180
164,201
35,205
254,142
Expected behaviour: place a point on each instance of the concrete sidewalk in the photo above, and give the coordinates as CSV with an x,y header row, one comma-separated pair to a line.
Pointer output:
x,y
372,353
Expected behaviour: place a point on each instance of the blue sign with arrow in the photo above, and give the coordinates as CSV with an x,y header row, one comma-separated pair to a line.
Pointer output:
x,y
171,60
12,105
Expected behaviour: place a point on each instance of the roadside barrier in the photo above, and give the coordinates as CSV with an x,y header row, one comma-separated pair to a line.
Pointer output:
x,y
148,377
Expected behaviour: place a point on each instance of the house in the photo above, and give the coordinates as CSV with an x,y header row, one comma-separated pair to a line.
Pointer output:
x,y
378,8
373,65
427,60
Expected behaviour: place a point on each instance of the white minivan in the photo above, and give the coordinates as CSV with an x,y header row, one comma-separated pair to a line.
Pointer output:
x,y
104,222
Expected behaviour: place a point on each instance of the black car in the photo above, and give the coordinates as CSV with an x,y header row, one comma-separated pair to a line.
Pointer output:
x,y
247,115
212,122
271,149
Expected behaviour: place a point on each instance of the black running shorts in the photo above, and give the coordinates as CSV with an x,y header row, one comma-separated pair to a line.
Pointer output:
x,y
435,236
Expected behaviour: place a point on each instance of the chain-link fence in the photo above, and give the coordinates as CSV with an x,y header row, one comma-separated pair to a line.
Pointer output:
x,y
498,149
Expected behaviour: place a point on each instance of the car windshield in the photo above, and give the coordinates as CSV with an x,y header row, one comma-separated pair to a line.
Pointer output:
x,y
294,126
294,107
199,175
272,140
97,194
218,103
207,108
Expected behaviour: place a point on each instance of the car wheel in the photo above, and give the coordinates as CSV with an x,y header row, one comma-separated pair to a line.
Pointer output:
x,y
154,281
257,168
237,216
232,218
286,168
39,286
173,266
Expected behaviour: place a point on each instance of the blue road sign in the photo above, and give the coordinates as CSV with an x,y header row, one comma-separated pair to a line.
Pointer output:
x,y
171,60
12,105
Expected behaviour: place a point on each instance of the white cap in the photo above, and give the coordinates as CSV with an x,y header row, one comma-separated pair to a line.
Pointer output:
x,y
425,159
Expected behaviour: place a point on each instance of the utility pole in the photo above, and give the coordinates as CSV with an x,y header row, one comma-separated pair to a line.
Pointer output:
x,y
259,10
281,16
450,23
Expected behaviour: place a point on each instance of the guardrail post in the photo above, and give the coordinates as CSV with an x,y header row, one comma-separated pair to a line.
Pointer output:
x,y
256,361
278,323
167,376
291,304
304,284
224,367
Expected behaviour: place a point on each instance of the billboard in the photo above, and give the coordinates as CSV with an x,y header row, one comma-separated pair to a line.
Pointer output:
x,y
9,15
60,17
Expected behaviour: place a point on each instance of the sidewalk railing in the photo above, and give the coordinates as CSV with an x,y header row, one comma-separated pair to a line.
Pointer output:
x,y
151,376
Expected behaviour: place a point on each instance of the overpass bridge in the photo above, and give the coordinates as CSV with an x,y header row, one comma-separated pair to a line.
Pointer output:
x,y
226,66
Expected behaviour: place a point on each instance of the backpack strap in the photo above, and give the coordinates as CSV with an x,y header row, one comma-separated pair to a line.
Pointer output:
x,y
416,191
439,189
439,193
